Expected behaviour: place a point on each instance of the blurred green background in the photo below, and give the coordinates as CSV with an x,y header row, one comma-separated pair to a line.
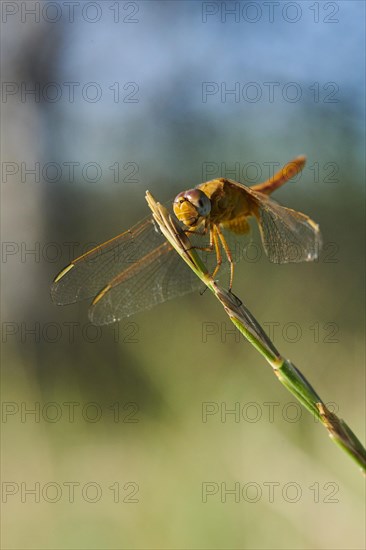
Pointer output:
x,y
135,417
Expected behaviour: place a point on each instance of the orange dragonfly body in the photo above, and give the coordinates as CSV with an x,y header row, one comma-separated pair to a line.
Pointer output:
x,y
139,268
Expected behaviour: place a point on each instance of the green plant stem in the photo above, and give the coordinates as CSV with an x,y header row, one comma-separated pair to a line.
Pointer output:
x,y
285,371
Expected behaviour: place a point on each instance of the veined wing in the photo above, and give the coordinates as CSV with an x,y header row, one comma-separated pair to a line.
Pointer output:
x,y
130,273
287,235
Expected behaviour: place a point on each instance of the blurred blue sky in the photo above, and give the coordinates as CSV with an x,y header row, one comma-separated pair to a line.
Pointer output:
x,y
170,52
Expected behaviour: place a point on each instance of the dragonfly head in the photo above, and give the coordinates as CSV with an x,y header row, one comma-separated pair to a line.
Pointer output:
x,y
191,207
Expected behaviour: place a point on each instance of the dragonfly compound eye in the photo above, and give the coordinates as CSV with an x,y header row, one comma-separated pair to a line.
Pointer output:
x,y
199,200
191,206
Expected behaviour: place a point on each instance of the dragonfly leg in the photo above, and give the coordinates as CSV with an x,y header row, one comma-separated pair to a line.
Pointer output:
x,y
213,245
225,246
215,238
209,247
204,232
215,242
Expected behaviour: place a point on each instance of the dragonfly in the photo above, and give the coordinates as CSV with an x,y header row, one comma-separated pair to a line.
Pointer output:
x,y
139,269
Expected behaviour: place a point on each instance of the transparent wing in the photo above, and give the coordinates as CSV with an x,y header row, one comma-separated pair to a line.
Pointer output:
x,y
132,272
287,235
